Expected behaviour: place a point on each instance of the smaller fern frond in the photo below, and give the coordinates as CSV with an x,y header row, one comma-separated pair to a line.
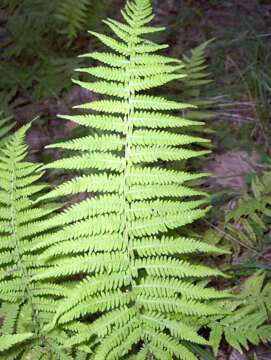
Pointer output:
x,y
195,66
26,305
8,341
248,221
72,15
247,320
6,124
197,77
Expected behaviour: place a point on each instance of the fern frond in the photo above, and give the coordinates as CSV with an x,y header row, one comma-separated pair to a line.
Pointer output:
x,y
252,211
8,341
248,222
26,305
73,16
123,240
247,320
197,77
6,124
195,66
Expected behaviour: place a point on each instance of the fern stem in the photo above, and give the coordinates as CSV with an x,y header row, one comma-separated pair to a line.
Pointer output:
x,y
128,150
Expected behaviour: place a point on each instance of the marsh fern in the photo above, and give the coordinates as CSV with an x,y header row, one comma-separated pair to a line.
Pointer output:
x,y
140,296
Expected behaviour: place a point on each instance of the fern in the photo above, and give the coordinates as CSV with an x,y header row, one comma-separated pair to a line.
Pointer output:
x,y
26,305
247,319
73,15
195,67
6,124
247,224
49,74
249,220
140,291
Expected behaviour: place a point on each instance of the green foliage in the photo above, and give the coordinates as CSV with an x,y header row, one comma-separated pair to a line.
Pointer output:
x,y
246,225
249,220
140,290
32,60
197,77
73,16
38,51
195,66
248,316
6,124
26,305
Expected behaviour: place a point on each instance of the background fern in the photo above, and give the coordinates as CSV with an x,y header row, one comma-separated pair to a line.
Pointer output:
x,y
6,124
249,220
245,230
197,77
45,31
246,225
139,289
26,305
248,317
73,16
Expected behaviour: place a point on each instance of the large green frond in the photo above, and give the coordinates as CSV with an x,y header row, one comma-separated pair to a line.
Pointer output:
x,y
138,289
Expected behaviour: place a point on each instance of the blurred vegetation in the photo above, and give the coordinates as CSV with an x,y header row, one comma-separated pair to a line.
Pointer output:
x,y
39,44
40,41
